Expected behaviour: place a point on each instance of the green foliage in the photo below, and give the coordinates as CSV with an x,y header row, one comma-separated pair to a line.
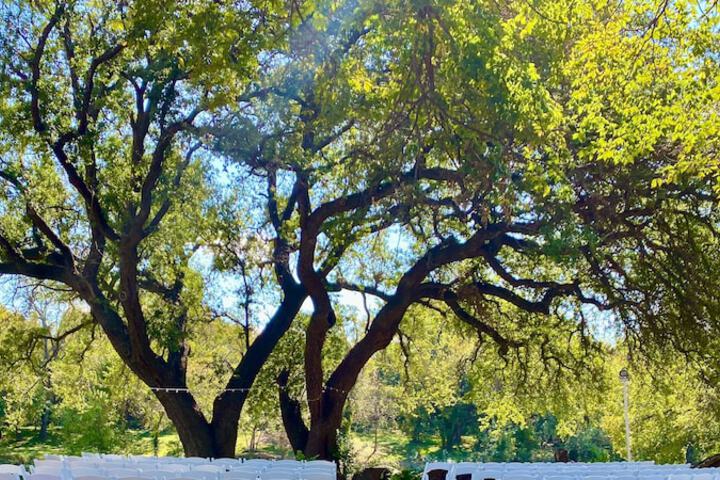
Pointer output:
x,y
101,407
95,428
551,127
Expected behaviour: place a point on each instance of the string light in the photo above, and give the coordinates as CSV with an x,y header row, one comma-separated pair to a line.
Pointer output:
x,y
185,389
233,390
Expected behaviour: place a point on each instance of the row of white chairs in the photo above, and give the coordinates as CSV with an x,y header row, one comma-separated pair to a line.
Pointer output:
x,y
107,458
191,463
515,465
145,464
524,475
483,475
277,473
118,467
270,474
586,472
196,460
571,471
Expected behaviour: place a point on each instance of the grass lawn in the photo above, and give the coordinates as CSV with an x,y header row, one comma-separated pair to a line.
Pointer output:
x,y
24,446
392,448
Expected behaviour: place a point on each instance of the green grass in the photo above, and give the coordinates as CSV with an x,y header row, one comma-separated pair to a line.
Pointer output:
x,y
393,447
24,446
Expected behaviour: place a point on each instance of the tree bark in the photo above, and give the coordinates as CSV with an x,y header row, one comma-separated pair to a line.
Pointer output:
x,y
47,385
195,432
200,437
228,405
323,441
323,435
291,412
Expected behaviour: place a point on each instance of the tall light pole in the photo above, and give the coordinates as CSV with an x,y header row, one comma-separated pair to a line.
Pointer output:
x,y
625,378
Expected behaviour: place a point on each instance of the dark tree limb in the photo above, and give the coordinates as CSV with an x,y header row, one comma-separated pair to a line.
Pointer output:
x,y
504,344
291,413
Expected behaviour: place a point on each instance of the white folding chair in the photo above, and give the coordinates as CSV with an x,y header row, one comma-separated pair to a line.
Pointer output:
x,y
560,477
150,474
174,467
328,470
9,476
487,473
82,462
430,467
168,474
43,476
626,477
182,478
463,469
703,476
279,474
86,471
518,476
49,463
121,472
287,466
287,463
320,463
197,475
282,470
314,474
596,477
208,468
12,469
243,474
89,477
257,462
49,470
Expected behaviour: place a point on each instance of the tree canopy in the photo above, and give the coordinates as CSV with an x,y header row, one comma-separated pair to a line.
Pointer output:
x,y
528,169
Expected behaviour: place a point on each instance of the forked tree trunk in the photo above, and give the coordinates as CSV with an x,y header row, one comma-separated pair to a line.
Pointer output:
x,y
291,413
202,438
323,441
320,440
193,429
199,437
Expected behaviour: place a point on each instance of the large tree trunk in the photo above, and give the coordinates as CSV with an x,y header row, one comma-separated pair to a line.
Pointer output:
x,y
291,413
322,436
199,437
47,385
194,431
228,405
44,423
320,441
326,404
323,441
